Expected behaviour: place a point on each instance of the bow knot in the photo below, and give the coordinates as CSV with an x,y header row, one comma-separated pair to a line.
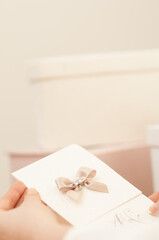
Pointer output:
x,y
84,178
77,182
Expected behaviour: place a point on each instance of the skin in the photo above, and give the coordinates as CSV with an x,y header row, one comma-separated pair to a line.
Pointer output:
x,y
154,209
24,216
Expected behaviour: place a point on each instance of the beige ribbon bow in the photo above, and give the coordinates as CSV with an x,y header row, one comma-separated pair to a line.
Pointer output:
x,y
84,177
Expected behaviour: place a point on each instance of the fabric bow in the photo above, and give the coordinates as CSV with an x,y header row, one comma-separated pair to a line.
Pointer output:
x,y
84,178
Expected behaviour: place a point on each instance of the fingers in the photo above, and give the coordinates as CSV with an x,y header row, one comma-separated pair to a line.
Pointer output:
x,y
31,195
154,197
154,208
21,199
10,199
60,219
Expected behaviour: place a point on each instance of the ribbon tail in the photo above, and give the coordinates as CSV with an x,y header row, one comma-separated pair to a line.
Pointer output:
x,y
97,186
74,195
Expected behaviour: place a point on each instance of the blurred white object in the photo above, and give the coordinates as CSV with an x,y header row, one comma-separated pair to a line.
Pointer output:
x,y
93,99
153,141
153,135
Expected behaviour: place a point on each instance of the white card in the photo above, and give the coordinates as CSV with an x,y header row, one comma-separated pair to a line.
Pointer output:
x,y
41,175
129,221
133,213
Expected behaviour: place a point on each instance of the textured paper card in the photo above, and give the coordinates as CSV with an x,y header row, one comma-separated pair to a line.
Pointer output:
x,y
133,213
41,175
130,221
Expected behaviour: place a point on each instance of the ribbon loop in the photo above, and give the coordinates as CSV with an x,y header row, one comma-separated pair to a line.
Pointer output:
x,y
85,172
64,184
83,179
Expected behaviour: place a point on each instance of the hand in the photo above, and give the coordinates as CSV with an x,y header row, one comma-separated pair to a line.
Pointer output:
x,y
155,207
23,216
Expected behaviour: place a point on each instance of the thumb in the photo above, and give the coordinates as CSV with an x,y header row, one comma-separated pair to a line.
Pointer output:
x,y
31,195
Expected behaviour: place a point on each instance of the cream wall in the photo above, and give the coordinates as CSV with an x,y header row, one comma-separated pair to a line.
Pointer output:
x,y
37,28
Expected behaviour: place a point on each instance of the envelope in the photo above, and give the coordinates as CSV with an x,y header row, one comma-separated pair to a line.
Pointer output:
x,y
93,205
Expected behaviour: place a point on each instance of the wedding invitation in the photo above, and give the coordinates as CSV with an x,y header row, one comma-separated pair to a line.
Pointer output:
x,y
84,190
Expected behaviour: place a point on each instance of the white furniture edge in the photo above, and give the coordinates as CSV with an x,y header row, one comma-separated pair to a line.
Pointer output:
x,y
107,63
153,142
153,136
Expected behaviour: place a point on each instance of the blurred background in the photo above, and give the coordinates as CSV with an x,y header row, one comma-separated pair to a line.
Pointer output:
x,y
31,29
